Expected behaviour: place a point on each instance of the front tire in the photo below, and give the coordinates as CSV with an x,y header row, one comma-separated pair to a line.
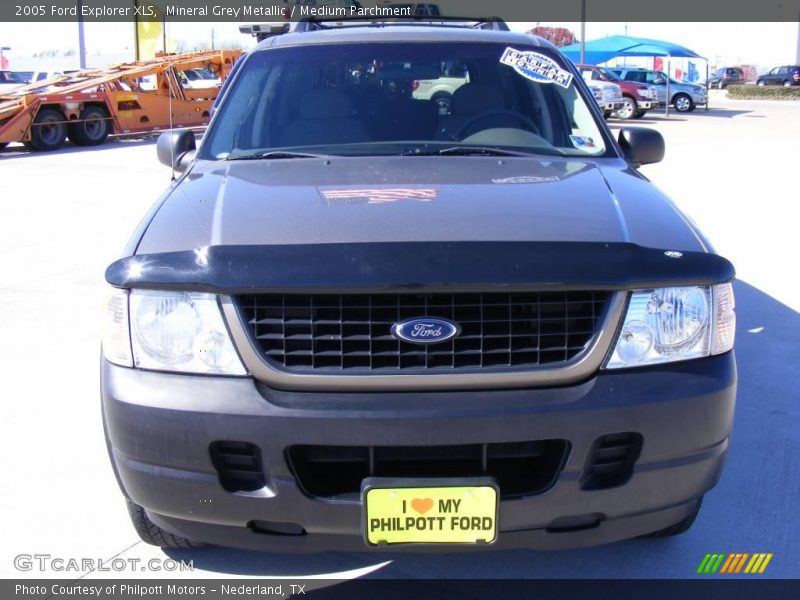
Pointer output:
x,y
761,84
629,109
683,103
92,129
152,534
48,130
787,84
640,114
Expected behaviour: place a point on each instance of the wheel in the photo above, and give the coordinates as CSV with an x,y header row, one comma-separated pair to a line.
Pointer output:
x,y
443,102
678,528
92,128
48,130
721,85
640,114
3,146
683,102
629,109
761,84
606,114
787,84
153,534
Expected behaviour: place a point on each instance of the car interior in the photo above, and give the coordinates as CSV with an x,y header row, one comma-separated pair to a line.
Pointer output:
x,y
316,100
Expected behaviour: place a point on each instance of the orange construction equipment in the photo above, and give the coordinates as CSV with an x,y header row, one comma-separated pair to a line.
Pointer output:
x,y
86,106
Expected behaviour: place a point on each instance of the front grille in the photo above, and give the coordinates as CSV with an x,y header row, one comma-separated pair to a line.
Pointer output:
x,y
352,332
520,468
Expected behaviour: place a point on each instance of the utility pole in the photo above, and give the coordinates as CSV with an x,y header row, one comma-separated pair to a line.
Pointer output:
x,y
797,56
583,32
136,34
81,39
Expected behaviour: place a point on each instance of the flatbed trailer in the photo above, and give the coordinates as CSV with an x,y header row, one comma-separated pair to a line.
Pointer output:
x,y
86,106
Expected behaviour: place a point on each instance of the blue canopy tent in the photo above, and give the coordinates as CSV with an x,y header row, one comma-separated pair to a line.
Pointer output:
x,y
604,49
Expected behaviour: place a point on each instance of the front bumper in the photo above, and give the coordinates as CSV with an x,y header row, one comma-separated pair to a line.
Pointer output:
x,y
647,104
611,105
160,426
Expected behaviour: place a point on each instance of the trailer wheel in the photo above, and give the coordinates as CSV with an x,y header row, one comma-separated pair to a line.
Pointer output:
x,y
92,128
3,146
48,131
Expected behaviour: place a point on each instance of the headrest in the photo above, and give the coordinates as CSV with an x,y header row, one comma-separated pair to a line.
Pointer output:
x,y
474,98
325,103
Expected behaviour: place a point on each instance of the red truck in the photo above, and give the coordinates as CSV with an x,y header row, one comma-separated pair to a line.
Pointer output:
x,y
637,98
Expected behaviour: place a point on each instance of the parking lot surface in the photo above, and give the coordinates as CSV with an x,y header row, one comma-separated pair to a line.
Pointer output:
x,y
68,214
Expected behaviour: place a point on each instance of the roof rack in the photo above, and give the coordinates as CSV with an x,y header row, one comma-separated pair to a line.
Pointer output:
x,y
317,23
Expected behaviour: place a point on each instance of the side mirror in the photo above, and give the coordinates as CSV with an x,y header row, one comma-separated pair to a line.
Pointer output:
x,y
660,81
641,146
173,147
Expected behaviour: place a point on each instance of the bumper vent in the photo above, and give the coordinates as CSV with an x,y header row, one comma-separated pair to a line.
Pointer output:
x,y
352,333
611,461
520,468
238,465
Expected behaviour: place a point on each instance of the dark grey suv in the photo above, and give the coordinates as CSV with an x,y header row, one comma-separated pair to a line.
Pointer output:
x,y
725,76
355,322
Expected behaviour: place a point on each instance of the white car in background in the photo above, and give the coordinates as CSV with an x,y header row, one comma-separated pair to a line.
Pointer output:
x,y
441,89
36,76
10,80
195,79
608,95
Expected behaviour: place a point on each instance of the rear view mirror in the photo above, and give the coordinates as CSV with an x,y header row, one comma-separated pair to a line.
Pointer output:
x,y
641,146
173,147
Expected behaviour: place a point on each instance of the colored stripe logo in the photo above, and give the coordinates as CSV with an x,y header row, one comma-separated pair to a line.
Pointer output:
x,y
736,562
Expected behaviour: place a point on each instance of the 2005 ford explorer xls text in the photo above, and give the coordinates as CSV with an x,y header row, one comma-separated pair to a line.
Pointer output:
x,y
358,320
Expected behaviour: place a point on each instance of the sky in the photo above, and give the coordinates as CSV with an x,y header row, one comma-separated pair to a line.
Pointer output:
x,y
763,44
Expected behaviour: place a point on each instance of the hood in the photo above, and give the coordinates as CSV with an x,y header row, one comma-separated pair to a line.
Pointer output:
x,y
596,83
411,199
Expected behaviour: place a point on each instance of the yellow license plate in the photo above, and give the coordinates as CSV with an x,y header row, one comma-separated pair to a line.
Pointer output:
x,y
395,514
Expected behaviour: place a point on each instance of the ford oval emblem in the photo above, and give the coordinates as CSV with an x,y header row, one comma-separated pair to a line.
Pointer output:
x,y
425,330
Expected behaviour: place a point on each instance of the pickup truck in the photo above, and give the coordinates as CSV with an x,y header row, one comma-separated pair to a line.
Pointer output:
x,y
637,98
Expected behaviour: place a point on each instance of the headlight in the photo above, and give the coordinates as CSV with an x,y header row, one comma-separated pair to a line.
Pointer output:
x,y
176,331
678,323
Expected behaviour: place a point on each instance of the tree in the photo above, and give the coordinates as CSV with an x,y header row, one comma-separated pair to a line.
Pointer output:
x,y
559,36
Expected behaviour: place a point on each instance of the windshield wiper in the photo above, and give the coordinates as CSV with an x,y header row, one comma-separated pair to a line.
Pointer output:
x,y
472,151
273,155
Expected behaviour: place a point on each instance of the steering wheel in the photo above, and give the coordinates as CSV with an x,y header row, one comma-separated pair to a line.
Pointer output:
x,y
496,112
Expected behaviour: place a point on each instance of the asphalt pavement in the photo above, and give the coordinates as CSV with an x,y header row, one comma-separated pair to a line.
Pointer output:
x,y
66,215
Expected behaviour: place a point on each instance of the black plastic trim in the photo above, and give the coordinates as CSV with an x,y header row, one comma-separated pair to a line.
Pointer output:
x,y
486,266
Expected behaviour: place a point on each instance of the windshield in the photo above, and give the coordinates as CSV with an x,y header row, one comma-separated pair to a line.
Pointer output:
x,y
403,98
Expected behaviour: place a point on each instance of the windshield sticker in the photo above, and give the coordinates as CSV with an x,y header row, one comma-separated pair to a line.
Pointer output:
x,y
536,67
582,142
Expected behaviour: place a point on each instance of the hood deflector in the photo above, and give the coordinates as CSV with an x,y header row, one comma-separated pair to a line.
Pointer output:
x,y
432,266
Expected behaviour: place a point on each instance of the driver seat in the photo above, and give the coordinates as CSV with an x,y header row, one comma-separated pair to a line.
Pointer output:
x,y
469,100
